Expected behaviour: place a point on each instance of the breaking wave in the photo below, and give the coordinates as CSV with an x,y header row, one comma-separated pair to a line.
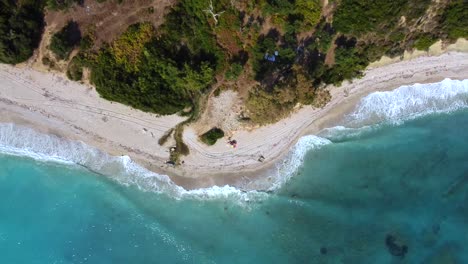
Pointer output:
x,y
404,103
376,110
21,141
409,102
342,133
289,166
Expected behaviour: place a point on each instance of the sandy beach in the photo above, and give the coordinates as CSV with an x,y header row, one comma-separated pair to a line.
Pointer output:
x,y
50,103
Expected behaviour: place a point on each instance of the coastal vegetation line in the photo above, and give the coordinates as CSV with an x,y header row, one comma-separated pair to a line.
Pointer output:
x,y
278,53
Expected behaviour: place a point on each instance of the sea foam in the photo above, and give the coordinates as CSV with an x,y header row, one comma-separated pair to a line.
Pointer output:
x,y
409,102
22,141
289,166
374,110
406,102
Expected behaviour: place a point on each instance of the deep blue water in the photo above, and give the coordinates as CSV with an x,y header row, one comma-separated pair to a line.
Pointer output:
x,y
394,193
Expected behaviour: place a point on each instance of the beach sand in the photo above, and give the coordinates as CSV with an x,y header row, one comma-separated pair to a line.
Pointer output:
x,y
50,103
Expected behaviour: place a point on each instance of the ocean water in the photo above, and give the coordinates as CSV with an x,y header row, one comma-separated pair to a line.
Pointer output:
x,y
388,186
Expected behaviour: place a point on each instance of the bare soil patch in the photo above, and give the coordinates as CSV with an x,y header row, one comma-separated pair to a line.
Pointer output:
x,y
108,20
330,57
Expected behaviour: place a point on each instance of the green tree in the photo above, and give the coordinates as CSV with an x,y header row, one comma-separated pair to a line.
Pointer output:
x,y
21,26
455,19
212,135
234,71
424,42
168,77
310,10
75,69
64,41
380,16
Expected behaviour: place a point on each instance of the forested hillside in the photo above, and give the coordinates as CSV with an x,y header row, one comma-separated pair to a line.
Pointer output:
x,y
21,26
286,51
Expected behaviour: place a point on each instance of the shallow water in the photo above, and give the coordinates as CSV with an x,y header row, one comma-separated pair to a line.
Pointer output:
x,y
405,180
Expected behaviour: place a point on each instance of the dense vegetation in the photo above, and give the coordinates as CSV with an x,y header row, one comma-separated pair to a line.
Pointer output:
x,y
269,106
64,41
377,16
283,51
75,69
212,135
151,73
167,71
425,41
362,31
454,19
21,26
234,71
301,14
289,47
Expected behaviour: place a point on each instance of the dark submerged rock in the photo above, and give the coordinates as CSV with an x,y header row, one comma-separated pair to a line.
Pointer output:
x,y
395,246
323,250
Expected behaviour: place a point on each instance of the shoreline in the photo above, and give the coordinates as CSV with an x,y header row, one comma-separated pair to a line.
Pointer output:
x,y
344,98
51,104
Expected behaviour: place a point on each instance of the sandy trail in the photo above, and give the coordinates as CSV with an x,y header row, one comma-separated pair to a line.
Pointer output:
x,y
51,104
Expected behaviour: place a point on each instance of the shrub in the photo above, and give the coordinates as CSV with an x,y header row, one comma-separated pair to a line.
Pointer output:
x,y
165,137
21,25
212,135
350,61
454,19
265,108
268,44
64,41
163,77
75,69
303,15
322,38
217,92
424,42
310,11
234,71
361,16
128,48
47,62
164,73
86,43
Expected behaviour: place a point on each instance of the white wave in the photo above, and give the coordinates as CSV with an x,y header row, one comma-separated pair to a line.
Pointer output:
x,y
409,102
22,141
400,104
342,133
288,167
403,103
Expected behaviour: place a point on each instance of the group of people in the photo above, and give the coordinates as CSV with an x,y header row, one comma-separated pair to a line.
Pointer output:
x,y
232,142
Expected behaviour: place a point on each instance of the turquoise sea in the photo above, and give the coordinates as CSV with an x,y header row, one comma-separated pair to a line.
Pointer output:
x,y
388,186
